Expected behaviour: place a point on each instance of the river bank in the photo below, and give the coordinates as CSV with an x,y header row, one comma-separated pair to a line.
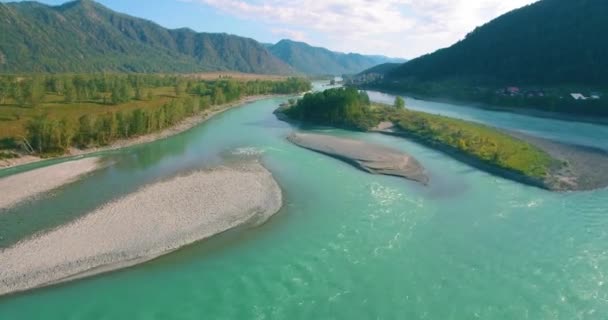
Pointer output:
x,y
182,126
587,168
23,186
143,225
479,105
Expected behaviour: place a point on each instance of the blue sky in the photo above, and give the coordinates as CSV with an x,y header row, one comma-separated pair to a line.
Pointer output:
x,y
398,28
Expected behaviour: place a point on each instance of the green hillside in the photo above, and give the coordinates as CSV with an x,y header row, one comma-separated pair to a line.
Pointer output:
x,y
84,36
550,42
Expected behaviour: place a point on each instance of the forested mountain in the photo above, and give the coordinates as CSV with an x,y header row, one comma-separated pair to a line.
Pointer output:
x,y
84,36
550,42
381,69
307,59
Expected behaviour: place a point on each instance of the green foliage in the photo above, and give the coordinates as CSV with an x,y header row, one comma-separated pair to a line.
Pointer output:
x,y
399,103
47,135
84,36
476,140
342,107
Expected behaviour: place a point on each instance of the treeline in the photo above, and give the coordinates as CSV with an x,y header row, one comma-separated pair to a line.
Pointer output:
x,y
31,91
342,107
49,133
51,136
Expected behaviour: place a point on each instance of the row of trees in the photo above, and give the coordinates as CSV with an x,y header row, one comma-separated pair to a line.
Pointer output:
x,y
108,89
46,135
115,89
49,134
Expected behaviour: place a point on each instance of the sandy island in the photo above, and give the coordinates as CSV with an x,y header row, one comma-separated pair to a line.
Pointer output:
x,y
182,126
369,157
20,187
153,221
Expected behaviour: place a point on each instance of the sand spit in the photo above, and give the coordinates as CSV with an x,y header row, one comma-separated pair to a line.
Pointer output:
x,y
369,157
153,221
19,187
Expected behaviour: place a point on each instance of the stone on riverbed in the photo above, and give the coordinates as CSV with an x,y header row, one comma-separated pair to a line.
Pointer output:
x,y
153,221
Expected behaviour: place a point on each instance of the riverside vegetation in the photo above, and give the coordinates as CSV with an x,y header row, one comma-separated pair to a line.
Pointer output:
x,y
49,114
351,109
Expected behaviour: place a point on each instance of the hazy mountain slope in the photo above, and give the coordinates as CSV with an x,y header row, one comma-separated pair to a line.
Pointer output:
x,y
320,61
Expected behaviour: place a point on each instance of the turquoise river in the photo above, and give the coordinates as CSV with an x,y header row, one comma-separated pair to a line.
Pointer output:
x,y
346,245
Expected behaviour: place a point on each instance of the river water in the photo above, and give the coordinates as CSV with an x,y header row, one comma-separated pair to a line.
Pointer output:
x,y
347,245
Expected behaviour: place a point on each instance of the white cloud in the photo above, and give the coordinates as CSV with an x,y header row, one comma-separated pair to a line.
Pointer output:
x,y
404,28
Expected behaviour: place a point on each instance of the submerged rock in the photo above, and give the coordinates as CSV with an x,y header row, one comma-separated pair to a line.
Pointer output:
x,y
366,156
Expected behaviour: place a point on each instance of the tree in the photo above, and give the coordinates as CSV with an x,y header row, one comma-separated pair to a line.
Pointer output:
x,y
179,88
139,94
17,93
34,92
124,92
69,92
85,131
115,95
4,90
218,96
399,103
47,135
205,103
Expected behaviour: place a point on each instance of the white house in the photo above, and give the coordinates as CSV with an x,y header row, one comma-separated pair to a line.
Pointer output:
x,y
578,96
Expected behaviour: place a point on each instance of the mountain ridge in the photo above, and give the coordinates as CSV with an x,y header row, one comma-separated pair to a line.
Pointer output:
x,y
308,59
547,42
85,36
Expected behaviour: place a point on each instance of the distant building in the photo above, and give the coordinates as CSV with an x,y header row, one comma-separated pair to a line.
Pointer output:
x,y
578,96
509,91
535,93
513,90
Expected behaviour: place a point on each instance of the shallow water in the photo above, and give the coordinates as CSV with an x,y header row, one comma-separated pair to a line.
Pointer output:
x,y
347,245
